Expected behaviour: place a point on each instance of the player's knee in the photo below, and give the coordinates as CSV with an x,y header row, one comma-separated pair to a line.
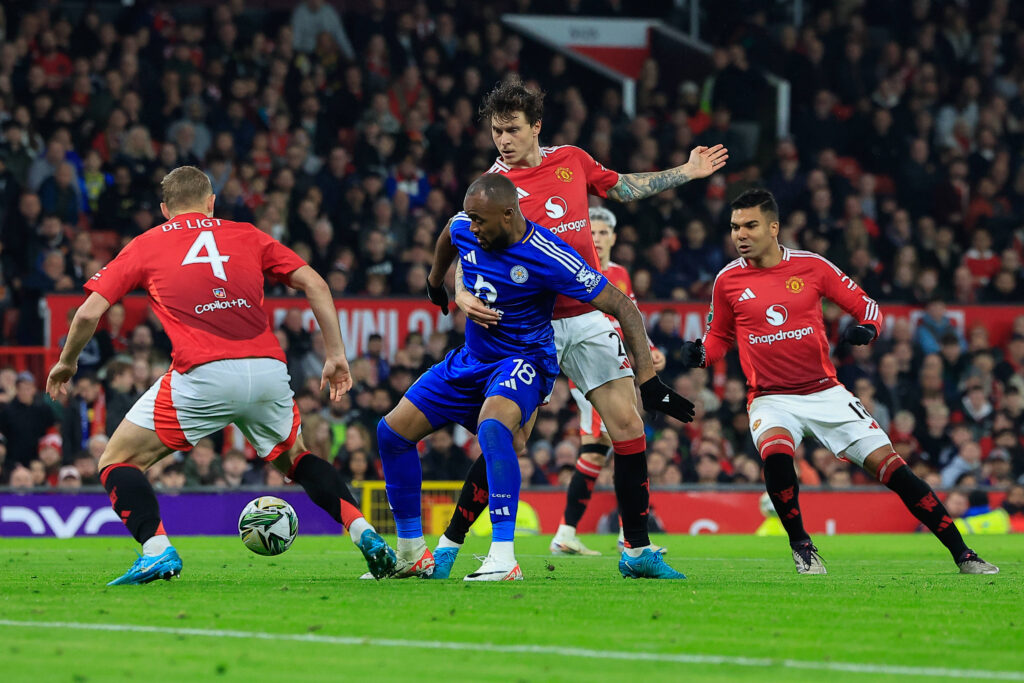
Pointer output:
x,y
389,441
625,425
495,440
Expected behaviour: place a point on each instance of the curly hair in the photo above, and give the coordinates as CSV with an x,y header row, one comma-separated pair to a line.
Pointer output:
x,y
511,96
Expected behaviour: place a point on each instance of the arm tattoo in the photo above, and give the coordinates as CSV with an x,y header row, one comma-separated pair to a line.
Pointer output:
x,y
633,186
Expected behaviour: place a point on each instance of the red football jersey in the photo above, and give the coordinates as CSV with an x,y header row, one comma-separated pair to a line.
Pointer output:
x,y
554,194
204,277
775,316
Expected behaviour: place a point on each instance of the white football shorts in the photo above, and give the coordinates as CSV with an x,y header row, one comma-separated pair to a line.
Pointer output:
x,y
252,393
590,351
834,417
591,423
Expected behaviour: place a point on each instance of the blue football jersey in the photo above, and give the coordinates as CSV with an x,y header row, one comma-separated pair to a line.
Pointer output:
x,y
521,281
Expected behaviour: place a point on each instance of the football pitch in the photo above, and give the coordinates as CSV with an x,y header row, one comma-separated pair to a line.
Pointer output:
x,y
890,608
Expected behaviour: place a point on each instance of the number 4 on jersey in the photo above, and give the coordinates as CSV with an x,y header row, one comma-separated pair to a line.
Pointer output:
x,y
213,257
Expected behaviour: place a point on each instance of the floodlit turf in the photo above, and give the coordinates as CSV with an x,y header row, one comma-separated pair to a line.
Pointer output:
x,y
888,602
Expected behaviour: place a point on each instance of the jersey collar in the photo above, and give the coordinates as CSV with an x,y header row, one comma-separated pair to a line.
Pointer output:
x,y
785,257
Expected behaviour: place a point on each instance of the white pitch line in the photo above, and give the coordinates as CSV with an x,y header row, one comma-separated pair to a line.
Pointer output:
x,y
753,662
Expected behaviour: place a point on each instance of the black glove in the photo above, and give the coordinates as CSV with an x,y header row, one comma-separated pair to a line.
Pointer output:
x,y
656,395
693,354
859,334
438,296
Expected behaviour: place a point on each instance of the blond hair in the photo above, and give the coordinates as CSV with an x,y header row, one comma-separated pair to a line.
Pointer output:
x,y
185,187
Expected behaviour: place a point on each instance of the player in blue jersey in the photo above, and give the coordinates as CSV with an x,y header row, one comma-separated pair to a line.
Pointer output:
x,y
493,384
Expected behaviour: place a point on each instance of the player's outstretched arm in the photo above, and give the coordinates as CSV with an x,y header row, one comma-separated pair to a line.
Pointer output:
x,y
444,253
83,326
336,373
703,162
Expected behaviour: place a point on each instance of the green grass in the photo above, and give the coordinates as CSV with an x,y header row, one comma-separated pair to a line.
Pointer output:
x,y
887,600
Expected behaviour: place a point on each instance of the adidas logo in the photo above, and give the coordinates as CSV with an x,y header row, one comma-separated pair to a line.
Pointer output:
x,y
470,257
747,295
501,512
666,399
522,193
510,384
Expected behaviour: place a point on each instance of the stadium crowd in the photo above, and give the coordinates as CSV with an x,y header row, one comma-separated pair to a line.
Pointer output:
x,y
351,137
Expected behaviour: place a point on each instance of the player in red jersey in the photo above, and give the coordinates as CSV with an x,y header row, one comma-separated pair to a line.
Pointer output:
x,y
554,186
595,445
204,277
769,302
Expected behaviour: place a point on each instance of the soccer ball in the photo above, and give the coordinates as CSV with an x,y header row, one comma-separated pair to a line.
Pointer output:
x,y
766,505
268,525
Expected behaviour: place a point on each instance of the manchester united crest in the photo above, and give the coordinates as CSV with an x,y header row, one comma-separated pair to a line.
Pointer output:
x,y
795,285
564,174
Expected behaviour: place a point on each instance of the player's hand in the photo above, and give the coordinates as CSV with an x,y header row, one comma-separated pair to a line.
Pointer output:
x,y
57,381
659,359
438,296
859,335
477,310
694,355
656,395
706,160
336,375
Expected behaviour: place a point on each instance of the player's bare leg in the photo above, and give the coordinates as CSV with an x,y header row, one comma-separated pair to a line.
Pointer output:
x,y
889,468
499,418
615,402
777,451
397,435
129,453
325,487
593,458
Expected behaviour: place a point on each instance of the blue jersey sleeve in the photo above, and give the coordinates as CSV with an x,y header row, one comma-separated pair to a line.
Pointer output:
x,y
566,272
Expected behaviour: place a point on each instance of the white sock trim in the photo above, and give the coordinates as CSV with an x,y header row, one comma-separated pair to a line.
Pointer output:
x,y
156,545
356,529
445,542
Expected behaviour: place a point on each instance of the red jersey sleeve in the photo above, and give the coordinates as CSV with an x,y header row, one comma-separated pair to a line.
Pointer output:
x,y
123,274
721,326
840,288
599,178
278,261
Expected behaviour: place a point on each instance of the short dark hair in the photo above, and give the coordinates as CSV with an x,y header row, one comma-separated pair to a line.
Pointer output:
x,y
511,96
495,187
763,199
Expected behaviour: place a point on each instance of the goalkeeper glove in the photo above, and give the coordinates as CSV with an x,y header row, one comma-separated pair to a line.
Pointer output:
x,y
693,354
438,296
656,395
859,334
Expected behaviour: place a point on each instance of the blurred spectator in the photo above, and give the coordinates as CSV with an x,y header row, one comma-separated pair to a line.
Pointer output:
x,y
202,466
24,421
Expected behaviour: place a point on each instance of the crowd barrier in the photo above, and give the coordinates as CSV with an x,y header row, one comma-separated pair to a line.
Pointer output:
x,y
394,318
690,511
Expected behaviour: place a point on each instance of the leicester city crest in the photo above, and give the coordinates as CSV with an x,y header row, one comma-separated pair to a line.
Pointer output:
x,y
519,274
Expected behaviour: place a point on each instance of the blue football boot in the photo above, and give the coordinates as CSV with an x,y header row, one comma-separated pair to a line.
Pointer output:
x,y
148,568
650,565
380,558
444,558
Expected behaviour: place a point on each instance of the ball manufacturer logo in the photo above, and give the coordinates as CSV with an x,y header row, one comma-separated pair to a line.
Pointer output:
x,y
776,315
795,284
519,274
564,174
555,207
